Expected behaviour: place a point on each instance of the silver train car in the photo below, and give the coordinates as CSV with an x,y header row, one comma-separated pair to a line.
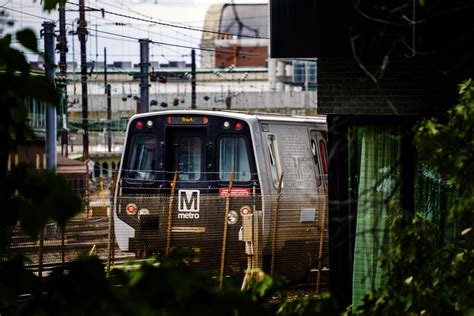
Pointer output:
x,y
243,190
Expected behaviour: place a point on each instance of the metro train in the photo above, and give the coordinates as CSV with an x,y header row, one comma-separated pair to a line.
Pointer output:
x,y
243,190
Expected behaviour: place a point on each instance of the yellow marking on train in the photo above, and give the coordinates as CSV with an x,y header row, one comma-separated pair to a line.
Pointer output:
x,y
184,229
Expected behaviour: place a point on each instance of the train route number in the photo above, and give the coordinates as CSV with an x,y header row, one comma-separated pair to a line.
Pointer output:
x,y
188,204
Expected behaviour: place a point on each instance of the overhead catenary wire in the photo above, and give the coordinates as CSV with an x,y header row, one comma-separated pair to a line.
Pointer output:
x,y
189,28
178,45
131,38
30,14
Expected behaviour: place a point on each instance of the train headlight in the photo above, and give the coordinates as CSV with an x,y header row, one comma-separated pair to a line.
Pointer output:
x,y
232,217
149,123
245,210
131,209
226,124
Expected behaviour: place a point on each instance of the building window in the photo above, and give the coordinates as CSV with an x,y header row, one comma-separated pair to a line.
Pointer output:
x,y
105,169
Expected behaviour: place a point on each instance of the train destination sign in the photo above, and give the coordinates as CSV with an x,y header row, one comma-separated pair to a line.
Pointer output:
x,y
187,120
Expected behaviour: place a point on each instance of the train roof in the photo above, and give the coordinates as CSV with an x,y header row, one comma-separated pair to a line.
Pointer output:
x,y
246,116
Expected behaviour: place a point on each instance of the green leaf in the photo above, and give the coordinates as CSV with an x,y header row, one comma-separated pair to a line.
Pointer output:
x,y
408,280
49,5
28,39
42,89
432,127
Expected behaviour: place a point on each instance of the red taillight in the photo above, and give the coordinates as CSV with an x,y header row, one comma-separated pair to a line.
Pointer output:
x,y
205,120
169,119
139,124
245,210
238,125
131,209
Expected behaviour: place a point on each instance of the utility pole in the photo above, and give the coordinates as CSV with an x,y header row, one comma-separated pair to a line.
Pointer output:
x,y
51,163
62,83
193,79
109,104
82,33
144,84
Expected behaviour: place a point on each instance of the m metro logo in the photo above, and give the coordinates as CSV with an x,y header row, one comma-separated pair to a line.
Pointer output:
x,y
188,204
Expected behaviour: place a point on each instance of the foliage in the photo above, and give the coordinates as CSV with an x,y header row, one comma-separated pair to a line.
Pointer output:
x,y
29,196
412,271
309,305
164,287
420,275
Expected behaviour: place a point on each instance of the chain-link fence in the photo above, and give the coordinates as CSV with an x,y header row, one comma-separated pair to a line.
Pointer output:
x,y
234,227
234,230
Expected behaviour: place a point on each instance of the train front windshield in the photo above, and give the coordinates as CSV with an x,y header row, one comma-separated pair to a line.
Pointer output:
x,y
204,151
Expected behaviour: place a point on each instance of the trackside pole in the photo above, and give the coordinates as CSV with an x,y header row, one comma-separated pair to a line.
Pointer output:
x,y
51,128
275,225
111,236
321,248
170,213
224,234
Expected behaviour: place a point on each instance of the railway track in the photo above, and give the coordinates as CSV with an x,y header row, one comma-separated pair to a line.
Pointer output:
x,y
82,236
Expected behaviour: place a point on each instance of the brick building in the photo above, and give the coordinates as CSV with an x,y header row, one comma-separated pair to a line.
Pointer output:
x,y
240,38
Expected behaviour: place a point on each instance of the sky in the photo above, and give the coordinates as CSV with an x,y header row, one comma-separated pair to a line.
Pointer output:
x,y
125,21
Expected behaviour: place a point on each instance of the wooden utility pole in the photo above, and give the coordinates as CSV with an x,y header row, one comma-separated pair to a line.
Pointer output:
x,y
144,106
193,79
109,104
82,33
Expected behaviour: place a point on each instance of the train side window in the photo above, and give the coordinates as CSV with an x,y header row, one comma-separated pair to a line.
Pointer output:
x,y
233,157
142,158
274,157
324,157
314,152
189,158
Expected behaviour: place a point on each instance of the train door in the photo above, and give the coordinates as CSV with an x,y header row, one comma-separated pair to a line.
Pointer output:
x,y
185,154
318,150
193,222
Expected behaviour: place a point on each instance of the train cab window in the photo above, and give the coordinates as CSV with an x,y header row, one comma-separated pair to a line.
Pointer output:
x,y
189,158
233,157
274,158
142,159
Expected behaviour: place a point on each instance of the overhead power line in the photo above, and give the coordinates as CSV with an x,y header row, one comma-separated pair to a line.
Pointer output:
x,y
180,46
189,28
29,14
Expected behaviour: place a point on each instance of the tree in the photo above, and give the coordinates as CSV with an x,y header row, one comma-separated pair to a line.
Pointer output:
x,y
29,196
420,276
